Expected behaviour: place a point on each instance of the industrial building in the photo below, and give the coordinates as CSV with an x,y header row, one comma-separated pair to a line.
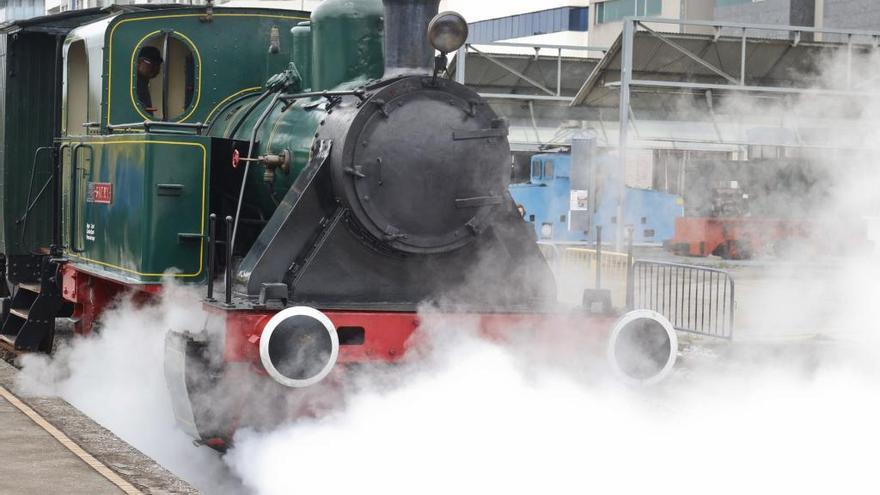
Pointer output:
x,y
840,14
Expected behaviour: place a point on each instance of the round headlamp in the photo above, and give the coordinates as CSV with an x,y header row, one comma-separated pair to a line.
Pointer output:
x,y
447,32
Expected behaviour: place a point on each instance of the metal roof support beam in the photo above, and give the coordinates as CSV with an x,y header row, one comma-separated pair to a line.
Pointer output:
x,y
647,83
626,68
696,58
759,27
460,64
742,60
559,72
514,71
711,106
539,46
849,52
514,96
647,140
779,60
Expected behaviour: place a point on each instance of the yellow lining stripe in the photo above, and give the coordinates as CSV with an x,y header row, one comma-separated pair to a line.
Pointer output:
x,y
202,226
230,97
198,55
69,444
199,77
149,18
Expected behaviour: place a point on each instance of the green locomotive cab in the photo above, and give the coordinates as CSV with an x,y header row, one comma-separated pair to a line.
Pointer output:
x,y
140,168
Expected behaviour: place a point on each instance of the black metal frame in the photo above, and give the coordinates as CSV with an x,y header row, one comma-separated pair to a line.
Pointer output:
x,y
74,191
29,205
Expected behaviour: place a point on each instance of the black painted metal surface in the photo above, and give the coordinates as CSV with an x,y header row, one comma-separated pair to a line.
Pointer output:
x,y
406,43
393,210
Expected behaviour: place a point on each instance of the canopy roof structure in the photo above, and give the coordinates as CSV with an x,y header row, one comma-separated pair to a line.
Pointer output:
x,y
697,85
534,72
706,85
725,83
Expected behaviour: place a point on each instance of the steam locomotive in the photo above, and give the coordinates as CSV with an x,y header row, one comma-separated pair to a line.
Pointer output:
x,y
323,168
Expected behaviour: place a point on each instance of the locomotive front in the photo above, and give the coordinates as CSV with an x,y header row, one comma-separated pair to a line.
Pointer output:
x,y
365,185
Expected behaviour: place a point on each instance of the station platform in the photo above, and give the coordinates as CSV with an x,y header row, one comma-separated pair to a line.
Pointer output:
x,y
49,447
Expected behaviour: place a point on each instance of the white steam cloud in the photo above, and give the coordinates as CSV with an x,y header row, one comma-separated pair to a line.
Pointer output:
x,y
116,377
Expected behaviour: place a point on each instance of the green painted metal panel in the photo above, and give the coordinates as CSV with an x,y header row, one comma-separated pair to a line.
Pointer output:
x,y
222,50
141,205
347,42
27,114
301,51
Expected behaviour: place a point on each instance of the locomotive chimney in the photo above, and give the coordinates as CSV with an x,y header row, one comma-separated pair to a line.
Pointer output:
x,y
407,48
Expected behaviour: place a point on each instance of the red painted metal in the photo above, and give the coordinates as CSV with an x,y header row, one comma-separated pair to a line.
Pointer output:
x,y
390,335
736,238
99,192
236,158
92,294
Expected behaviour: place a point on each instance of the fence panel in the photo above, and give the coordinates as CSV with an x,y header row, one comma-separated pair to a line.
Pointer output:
x,y
695,299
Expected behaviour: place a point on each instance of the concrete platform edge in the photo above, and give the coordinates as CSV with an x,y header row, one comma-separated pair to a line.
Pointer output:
x,y
126,461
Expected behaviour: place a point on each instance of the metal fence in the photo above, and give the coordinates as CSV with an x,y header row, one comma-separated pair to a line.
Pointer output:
x,y
603,266
694,299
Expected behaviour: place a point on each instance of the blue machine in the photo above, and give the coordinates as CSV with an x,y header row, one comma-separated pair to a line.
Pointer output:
x,y
562,215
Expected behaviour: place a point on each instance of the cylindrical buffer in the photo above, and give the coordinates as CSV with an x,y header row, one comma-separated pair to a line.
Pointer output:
x,y
299,346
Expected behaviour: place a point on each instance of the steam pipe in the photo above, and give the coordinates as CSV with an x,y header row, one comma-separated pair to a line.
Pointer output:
x,y
247,164
228,277
212,253
407,48
630,288
598,257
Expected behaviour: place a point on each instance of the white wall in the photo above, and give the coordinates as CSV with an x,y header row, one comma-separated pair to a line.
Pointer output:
x,y
13,10
605,34
53,6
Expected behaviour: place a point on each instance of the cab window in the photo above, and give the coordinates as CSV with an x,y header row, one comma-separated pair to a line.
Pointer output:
x,y
536,170
164,78
548,169
77,88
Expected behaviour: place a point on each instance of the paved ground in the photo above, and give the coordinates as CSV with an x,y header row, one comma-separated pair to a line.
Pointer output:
x,y
49,447
36,463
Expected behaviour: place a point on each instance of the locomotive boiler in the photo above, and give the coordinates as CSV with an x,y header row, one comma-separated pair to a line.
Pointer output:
x,y
324,169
